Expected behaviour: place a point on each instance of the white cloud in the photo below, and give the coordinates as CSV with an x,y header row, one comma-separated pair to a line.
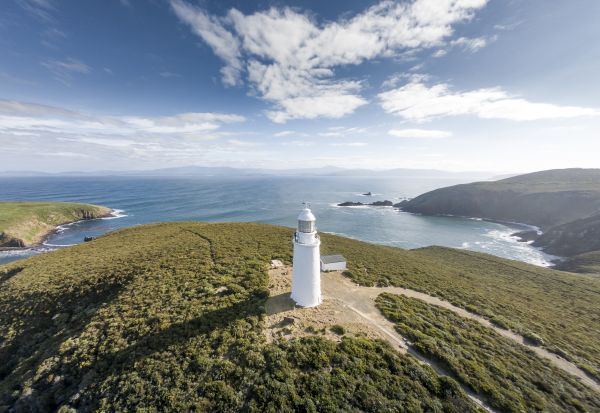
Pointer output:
x,y
350,144
223,43
69,65
469,44
289,58
337,131
242,144
417,101
40,9
186,138
284,133
64,70
19,117
472,44
419,133
299,143
65,154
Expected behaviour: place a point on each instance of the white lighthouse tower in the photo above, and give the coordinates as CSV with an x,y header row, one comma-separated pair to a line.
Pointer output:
x,y
306,278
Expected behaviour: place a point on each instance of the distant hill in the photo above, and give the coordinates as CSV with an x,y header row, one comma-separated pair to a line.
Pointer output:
x,y
170,317
564,203
193,171
23,224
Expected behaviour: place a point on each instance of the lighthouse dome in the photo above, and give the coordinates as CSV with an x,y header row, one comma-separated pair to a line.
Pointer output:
x,y
306,215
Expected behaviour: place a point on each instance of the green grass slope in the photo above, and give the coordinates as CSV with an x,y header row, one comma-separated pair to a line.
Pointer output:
x,y
584,263
26,223
168,317
512,379
139,319
534,301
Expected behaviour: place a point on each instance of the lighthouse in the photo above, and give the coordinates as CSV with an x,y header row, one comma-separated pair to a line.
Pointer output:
x,y
306,277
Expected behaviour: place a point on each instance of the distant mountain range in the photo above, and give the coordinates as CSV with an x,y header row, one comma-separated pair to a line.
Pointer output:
x,y
191,171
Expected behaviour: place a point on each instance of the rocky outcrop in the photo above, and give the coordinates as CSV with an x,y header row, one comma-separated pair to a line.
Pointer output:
x,y
573,238
350,203
376,203
6,241
527,236
382,203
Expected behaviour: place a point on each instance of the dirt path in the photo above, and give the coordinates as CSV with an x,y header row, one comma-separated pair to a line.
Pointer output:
x,y
353,307
337,284
341,306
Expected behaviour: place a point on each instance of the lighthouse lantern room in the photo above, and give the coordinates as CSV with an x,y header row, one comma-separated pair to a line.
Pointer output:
x,y
306,277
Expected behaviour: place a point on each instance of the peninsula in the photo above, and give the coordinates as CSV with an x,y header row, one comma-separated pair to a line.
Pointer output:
x,y
563,203
25,224
188,316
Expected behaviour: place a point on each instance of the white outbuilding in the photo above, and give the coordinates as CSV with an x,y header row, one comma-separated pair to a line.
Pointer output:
x,y
306,276
333,263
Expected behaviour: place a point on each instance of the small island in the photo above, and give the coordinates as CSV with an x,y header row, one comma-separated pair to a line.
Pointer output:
x,y
25,224
376,203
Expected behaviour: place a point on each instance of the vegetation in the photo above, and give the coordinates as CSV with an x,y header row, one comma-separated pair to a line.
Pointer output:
x,y
511,378
573,238
139,320
338,329
558,307
169,317
585,263
25,223
565,203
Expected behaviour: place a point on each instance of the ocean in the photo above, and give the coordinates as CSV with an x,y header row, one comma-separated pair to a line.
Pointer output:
x,y
273,200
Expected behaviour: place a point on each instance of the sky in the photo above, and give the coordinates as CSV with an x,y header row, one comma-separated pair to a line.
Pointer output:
x,y
460,85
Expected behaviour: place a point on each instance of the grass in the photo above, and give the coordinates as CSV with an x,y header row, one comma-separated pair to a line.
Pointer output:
x,y
136,320
555,180
584,263
511,378
557,306
26,223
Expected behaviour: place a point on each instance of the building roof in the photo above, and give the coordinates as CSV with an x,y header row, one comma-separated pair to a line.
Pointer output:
x,y
330,259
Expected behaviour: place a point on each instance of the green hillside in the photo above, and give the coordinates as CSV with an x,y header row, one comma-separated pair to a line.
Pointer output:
x,y
23,224
584,263
169,317
513,380
565,203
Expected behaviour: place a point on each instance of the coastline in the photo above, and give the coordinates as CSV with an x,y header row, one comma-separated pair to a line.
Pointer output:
x,y
43,237
521,227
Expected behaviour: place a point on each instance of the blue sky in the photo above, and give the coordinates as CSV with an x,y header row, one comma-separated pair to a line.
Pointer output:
x,y
497,85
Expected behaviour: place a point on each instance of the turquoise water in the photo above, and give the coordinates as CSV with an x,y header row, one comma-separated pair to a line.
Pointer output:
x,y
274,200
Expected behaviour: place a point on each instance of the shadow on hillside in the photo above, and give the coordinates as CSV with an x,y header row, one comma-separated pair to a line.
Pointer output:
x,y
7,274
125,360
47,321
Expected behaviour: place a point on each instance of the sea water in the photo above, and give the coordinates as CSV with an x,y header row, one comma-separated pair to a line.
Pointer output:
x,y
273,200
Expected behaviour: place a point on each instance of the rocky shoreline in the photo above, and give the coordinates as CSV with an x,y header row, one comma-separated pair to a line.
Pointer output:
x,y
9,243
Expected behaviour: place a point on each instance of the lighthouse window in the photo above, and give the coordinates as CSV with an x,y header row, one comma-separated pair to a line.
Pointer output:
x,y
306,226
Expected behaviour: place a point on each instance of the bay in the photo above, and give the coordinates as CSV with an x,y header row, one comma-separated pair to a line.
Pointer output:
x,y
268,199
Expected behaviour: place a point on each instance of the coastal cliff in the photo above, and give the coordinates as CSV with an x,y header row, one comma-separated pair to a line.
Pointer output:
x,y
23,224
564,203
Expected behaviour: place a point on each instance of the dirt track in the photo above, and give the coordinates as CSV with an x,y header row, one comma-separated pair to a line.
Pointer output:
x,y
353,307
